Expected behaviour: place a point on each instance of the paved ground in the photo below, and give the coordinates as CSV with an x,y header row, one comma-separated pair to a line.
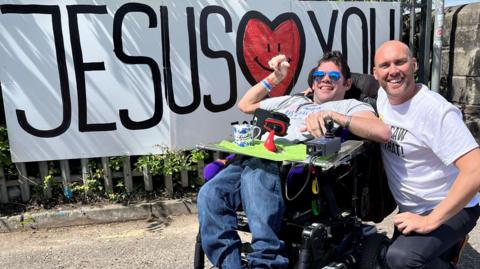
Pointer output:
x,y
158,243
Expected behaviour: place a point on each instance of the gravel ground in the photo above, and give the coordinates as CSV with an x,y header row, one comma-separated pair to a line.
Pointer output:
x,y
155,243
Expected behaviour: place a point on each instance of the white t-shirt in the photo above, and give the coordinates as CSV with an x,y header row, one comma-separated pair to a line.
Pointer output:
x,y
297,109
428,135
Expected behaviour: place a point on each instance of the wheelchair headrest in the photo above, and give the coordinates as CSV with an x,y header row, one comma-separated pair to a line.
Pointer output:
x,y
363,85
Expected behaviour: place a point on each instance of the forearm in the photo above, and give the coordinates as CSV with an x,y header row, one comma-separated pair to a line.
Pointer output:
x,y
466,185
366,126
251,100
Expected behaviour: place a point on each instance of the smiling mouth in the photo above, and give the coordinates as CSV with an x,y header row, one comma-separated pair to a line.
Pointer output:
x,y
267,68
325,88
395,81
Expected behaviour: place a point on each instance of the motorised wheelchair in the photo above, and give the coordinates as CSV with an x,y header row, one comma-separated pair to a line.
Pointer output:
x,y
329,202
326,202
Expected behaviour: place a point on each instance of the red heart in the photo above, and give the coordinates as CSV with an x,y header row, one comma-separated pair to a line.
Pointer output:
x,y
259,39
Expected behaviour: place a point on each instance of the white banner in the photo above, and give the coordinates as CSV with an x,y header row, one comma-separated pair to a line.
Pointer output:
x,y
104,78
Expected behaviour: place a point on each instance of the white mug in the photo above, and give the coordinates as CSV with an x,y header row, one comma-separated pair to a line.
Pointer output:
x,y
244,134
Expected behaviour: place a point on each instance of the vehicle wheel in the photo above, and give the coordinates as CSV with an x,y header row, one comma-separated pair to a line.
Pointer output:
x,y
374,249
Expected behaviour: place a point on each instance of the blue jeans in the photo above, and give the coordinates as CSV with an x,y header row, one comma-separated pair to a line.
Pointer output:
x,y
424,250
255,184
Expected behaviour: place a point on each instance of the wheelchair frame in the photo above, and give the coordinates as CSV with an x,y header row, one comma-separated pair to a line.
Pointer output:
x,y
333,237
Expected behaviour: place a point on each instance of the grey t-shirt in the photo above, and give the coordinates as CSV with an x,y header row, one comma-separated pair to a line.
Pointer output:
x,y
297,109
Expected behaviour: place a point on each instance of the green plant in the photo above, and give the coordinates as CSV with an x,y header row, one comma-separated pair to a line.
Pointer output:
x,y
94,179
37,191
197,155
175,161
52,169
26,219
92,182
117,197
77,188
120,194
151,162
49,181
116,163
5,157
120,185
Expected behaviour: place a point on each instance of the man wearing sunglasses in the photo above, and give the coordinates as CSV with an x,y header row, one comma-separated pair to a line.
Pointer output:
x,y
255,184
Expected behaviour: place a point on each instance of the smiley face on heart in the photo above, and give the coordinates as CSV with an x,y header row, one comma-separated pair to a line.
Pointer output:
x,y
259,39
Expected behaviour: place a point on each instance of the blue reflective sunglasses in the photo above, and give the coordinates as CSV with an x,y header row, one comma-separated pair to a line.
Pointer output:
x,y
333,75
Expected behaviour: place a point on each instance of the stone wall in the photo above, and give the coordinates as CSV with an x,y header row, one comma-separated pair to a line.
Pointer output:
x,y
460,76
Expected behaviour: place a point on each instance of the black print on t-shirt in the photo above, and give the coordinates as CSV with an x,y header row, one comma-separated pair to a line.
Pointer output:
x,y
398,134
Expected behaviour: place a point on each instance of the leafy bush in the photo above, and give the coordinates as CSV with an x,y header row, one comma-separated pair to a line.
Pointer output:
x,y
5,158
151,162
170,162
198,155
175,161
116,163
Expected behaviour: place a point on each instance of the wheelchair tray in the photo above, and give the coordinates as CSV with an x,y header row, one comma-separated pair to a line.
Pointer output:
x,y
294,153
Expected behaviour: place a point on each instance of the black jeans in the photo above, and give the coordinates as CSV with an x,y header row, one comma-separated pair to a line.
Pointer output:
x,y
424,250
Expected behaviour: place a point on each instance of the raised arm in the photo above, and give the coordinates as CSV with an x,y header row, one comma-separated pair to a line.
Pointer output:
x,y
251,100
364,124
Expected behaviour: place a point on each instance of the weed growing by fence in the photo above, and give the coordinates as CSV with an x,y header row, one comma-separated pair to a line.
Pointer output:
x,y
180,168
116,163
175,161
5,157
198,155
152,163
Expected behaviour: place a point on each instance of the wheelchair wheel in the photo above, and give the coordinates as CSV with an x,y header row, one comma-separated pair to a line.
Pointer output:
x,y
199,261
199,257
374,250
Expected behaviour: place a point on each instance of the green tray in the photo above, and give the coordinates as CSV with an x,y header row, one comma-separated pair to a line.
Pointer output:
x,y
289,152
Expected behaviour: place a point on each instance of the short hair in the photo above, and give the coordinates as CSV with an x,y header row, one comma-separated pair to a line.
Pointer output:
x,y
337,58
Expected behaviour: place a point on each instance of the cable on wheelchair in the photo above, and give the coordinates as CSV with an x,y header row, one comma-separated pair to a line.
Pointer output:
x,y
311,162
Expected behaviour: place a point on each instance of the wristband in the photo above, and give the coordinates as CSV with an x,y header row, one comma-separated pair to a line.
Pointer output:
x,y
270,81
267,85
347,123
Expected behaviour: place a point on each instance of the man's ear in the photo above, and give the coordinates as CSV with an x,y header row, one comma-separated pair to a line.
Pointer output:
x,y
348,84
375,73
415,64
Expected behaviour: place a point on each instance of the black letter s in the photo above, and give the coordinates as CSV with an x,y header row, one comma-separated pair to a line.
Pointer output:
x,y
218,54
118,48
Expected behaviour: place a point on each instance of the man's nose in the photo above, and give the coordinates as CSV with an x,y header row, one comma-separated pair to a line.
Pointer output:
x,y
393,70
326,78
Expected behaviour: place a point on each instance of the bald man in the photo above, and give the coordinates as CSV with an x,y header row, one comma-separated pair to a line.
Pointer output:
x,y
432,162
